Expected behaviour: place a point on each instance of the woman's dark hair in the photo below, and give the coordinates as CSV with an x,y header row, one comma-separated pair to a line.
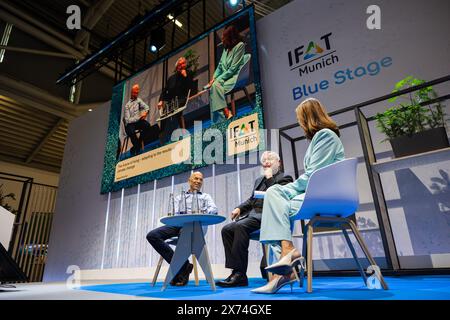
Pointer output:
x,y
231,37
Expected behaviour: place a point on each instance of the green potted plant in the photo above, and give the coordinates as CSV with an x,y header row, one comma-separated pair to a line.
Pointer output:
x,y
415,126
192,61
192,65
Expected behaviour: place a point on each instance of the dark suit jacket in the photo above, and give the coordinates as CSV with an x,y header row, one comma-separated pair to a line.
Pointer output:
x,y
262,184
177,86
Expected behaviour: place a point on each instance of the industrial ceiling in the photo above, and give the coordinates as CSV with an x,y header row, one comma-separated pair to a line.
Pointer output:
x,y
37,47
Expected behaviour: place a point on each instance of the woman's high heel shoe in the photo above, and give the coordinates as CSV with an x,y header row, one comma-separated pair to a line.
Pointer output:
x,y
284,265
275,285
228,114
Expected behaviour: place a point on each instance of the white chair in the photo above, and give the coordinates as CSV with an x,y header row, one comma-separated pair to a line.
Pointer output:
x,y
330,198
173,242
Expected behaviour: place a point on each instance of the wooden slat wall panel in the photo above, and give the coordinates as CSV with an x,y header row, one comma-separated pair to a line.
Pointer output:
x,y
134,250
32,249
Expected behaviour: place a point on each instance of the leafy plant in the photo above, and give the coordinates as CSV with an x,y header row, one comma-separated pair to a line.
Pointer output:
x,y
414,116
192,61
3,198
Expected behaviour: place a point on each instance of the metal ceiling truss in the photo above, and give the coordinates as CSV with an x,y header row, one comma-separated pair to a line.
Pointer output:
x,y
131,38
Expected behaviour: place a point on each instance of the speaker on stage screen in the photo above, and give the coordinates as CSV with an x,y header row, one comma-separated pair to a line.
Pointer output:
x,y
197,105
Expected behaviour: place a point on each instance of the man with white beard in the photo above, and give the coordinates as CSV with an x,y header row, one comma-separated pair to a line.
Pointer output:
x,y
247,216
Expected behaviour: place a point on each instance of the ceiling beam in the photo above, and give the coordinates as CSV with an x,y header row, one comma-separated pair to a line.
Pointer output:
x,y
26,17
27,113
12,136
38,52
21,116
50,40
33,96
120,43
15,160
8,125
39,34
15,126
92,17
57,147
37,98
35,104
49,155
44,140
59,152
24,147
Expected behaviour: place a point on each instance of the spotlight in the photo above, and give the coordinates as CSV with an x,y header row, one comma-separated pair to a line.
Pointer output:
x,y
157,40
233,3
178,23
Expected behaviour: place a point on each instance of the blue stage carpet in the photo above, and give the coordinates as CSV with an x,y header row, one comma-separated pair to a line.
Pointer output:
x,y
324,288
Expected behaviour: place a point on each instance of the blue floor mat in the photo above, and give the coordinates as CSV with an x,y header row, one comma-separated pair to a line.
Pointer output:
x,y
324,288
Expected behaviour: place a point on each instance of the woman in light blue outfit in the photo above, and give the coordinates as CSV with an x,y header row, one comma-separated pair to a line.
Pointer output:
x,y
282,202
227,72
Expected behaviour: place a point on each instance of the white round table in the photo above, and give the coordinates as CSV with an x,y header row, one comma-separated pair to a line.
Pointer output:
x,y
191,241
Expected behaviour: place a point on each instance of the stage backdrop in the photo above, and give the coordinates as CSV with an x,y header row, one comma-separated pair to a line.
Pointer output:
x,y
324,49
413,34
165,152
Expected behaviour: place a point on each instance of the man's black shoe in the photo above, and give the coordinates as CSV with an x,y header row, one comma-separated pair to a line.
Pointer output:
x,y
226,280
237,279
174,281
182,278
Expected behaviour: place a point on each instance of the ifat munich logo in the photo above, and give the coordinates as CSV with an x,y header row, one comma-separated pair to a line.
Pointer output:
x,y
318,54
243,135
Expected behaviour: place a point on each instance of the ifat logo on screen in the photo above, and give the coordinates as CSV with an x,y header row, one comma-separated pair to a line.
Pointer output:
x,y
319,54
243,135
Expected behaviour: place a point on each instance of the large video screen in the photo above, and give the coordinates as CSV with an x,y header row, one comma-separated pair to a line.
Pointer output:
x,y
196,106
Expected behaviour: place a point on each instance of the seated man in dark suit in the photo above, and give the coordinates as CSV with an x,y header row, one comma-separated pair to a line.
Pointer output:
x,y
236,235
176,90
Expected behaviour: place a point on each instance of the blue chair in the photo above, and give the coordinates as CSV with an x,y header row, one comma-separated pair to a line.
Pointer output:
x,y
330,199
241,83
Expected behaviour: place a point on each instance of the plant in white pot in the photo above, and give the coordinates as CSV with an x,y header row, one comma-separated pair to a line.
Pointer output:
x,y
416,126
7,216
3,200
